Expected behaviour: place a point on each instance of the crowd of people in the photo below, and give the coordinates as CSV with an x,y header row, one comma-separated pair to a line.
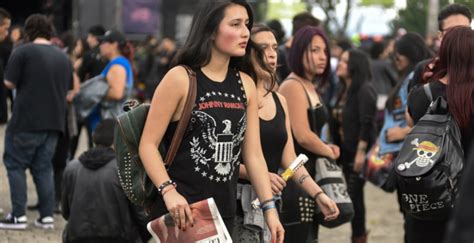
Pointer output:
x,y
306,94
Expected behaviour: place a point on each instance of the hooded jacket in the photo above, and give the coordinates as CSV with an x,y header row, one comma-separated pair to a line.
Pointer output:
x,y
94,203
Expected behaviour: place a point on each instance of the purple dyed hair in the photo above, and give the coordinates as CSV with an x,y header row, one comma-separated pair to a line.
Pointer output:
x,y
301,44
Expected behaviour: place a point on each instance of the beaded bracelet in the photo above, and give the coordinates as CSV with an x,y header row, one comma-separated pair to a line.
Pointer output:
x,y
273,199
268,206
165,184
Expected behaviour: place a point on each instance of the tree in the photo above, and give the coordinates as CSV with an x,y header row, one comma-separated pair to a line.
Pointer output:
x,y
329,8
413,18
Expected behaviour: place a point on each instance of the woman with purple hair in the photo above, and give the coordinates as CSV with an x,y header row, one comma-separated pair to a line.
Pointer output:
x,y
309,62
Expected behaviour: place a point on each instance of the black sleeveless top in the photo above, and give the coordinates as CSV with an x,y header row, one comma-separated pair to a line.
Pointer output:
x,y
317,117
207,162
273,136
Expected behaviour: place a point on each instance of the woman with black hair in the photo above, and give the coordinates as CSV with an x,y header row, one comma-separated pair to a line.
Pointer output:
x,y
354,128
277,143
309,61
225,111
409,50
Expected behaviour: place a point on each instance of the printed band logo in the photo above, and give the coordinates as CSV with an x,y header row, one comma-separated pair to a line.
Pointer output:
x,y
420,203
216,155
425,151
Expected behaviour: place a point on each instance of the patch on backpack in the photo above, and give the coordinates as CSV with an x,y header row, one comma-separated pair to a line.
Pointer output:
x,y
425,151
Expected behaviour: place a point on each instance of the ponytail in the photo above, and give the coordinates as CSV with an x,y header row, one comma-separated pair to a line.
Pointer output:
x,y
128,51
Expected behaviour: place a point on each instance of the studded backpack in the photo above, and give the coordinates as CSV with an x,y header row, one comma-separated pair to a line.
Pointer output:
x,y
429,165
138,187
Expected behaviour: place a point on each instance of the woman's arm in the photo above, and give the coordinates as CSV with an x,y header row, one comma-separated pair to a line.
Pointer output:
x,y
301,176
76,86
297,107
367,98
254,160
167,105
116,78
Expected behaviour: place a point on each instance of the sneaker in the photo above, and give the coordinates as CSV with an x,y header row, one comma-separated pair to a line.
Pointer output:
x,y
12,222
45,222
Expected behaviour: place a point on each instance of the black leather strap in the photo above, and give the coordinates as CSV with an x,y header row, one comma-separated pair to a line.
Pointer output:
x,y
185,117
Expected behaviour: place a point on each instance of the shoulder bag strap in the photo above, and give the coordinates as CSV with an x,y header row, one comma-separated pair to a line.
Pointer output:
x,y
304,88
184,121
427,89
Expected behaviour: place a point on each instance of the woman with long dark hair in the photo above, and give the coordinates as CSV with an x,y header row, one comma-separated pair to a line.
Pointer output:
x,y
226,106
354,128
409,50
455,82
276,140
309,61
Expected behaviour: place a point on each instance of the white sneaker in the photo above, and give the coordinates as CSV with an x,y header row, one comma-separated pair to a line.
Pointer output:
x,y
12,222
45,222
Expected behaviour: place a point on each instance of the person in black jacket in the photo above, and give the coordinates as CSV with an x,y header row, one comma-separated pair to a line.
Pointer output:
x,y
93,201
354,129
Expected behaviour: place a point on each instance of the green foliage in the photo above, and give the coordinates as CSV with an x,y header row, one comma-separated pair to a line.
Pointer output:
x,y
384,3
413,18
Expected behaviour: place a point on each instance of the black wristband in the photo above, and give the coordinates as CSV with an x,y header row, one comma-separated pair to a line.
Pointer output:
x,y
165,184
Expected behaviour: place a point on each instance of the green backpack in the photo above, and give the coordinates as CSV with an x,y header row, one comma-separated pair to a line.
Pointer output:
x,y
135,182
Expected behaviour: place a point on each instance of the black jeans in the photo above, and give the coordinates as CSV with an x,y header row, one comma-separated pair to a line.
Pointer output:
x,y
355,188
419,231
60,159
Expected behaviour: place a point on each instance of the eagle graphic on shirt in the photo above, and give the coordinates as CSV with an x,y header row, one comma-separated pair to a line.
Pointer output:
x,y
216,150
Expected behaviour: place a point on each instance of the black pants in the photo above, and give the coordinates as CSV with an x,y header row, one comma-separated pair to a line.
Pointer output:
x,y
421,231
355,188
75,140
59,163
3,103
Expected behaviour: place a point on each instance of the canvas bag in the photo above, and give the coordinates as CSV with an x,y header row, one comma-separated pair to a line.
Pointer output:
x,y
330,178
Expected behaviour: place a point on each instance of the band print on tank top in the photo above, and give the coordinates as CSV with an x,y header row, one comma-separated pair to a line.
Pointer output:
x,y
215,147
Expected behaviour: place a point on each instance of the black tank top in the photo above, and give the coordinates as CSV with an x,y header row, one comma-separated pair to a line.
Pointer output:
x,y
317,117
207,162
273,136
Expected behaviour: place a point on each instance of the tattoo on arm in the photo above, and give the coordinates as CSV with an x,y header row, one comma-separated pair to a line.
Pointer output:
x,y
302,178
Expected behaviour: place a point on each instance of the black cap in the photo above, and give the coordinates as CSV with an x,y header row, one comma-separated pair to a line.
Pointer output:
x,y
97,30
113,36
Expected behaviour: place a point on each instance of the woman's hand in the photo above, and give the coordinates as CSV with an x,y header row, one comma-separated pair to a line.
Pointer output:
x,y
359,161
335,150
179,209
274,224
278,184
328,207
395,134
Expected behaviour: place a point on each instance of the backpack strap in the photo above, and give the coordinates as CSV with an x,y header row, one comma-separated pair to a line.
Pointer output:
x,y
185,117
426,88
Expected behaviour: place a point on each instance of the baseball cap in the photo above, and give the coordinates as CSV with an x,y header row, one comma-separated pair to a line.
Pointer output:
x,y
113,36
96,30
